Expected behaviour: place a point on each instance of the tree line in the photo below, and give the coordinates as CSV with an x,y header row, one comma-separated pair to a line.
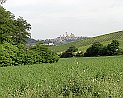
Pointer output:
x,y
96,49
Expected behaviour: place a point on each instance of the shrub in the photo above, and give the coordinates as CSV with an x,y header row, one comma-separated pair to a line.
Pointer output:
x,y
98,49
20,55
94,50
66,55
8,54
44,55
69,52
112,49
72,49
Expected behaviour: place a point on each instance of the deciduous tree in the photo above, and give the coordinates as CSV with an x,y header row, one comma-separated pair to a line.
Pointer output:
x,y
11,29
94,49
112,49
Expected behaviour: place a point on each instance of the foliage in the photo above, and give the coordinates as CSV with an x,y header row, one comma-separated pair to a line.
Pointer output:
x,y
98,49
94,77
21,33
13,55
66,55
72,49
8,54
112,49
6,25
44,54
69,52
94,49
20,55
11,29
13,36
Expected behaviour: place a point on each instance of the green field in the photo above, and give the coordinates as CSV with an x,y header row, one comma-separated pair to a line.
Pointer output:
x,y
86,77
84,44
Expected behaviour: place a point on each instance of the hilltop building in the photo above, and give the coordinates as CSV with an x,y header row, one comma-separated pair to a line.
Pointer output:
x,y
63,39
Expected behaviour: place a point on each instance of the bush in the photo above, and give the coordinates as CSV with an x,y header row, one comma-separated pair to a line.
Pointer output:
x,y
8,54
20,55
44,55
94,50
72,49
112,49
66,55
69,52
98,49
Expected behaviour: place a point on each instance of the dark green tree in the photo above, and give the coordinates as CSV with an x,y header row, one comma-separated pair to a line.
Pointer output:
x,y
21,33
112,49
103,51
69,52
94,50
11,29
6,25
98,49
72,49
44,55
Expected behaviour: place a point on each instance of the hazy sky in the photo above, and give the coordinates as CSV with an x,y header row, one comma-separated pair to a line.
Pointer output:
x,y
52,18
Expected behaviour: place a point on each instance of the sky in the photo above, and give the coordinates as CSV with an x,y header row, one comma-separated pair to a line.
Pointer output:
x,y
52,18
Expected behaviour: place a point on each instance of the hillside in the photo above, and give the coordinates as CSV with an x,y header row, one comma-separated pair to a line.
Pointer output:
x,y
84,44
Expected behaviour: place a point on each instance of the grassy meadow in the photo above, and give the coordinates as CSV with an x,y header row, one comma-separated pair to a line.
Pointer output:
x,y
85,77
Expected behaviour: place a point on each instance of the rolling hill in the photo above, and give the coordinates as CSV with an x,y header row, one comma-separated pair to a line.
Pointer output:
x,y
82,45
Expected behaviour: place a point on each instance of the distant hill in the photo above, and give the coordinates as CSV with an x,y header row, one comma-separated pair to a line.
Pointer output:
x,y
31,41
62,40
82,45
56,41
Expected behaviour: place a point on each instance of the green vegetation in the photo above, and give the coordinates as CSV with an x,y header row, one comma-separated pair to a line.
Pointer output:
x,y
82,45
85,77
69,52
14,55
98,49
14,31
93,77
41,54
13,36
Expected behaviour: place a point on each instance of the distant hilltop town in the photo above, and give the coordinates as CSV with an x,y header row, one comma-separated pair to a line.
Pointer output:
x,y
63,39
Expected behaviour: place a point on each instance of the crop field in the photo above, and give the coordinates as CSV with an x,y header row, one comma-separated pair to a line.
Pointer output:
x,y
85,77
